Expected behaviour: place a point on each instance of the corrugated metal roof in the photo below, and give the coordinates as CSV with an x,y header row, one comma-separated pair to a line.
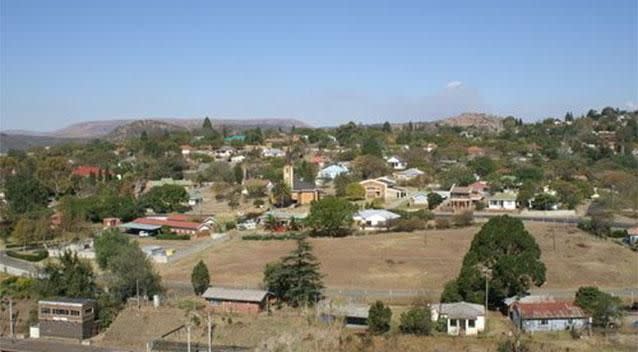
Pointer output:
x,y
368,213
550,310
139,226
351,310
234,294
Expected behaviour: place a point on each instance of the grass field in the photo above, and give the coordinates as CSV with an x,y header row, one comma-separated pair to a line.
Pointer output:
x,y
420,260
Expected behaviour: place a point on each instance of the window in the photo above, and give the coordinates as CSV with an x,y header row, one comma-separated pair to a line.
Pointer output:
x,y
471,323
61,311
75,313
544,322
570,321
45,311
453,322
88,310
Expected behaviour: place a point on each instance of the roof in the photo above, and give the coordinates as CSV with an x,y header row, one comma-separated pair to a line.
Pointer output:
x,y
412,172
461,190
140,226
334,168
86,171
301,185
66,300
168,181
550,310
233,294
633,231
369,213
284,215
503,196
529,299
351,310
459,310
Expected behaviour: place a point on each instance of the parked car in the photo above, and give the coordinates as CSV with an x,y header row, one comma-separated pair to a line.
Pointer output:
x,y
247,225
144,233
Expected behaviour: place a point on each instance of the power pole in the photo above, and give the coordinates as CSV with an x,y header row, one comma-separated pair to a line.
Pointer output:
x,y
188,337
11,318
210,334
137,291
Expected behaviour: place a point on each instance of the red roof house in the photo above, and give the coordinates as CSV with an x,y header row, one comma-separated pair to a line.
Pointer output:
x,y
86,171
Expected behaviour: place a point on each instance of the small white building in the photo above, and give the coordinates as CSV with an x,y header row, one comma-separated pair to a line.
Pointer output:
x,y
502,201
332,171
370,219
407,175
272,153
419,199
461,318
396,163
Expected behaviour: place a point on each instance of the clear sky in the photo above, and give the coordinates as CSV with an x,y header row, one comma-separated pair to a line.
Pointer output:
x,y
324,62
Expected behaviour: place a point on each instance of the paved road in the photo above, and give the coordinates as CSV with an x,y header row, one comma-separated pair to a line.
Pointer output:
x,y
40,345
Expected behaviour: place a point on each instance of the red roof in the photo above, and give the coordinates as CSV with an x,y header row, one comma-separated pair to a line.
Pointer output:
x,y
633,231
480,186
179,217
86,171
550,310
170,223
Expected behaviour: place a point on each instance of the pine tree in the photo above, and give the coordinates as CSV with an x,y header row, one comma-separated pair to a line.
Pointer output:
x,y
207,124
301,271
200,278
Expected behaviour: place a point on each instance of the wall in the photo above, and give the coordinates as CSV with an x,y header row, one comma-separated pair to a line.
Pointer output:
x,y
235,307
553,324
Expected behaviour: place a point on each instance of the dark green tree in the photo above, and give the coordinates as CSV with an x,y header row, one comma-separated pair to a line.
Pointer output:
x,y
165,198
434,199
25,193
482,165
416,321
379,318
70,276
200,278
604,308
372,146
238,171
387,128
331,216
544,201
207,125
508,255
107,245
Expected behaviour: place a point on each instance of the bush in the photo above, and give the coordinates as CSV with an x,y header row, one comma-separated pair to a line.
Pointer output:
x,y
416,321
379,317
463,219
271,237
618,234
409,225
442,223
172,236
36,256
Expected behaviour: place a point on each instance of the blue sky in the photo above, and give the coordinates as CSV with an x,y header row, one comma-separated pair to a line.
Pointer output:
x,y
324,62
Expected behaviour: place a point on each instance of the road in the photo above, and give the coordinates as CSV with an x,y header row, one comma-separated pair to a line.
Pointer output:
x,y
573,220
31,345
198,247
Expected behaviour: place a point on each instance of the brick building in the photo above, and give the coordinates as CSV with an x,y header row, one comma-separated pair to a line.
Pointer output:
x,y
229,300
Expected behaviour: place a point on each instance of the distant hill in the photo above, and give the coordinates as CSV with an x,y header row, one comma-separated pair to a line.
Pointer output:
x,y
24,142
477,120
117,130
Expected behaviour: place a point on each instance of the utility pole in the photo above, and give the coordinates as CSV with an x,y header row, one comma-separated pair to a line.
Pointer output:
x,y
188,337
11,318
210,334
137,291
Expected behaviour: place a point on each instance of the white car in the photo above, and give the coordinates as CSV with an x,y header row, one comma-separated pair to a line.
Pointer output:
x,y
247,225
144,233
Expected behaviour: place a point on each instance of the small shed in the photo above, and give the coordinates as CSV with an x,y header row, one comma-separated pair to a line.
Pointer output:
x,y
461,318
548,316
353,315
233,300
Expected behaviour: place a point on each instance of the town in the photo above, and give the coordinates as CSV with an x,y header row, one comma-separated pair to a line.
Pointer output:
x,y
390,235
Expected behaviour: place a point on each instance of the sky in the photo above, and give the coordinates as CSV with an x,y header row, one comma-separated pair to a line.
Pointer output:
x,y
323,62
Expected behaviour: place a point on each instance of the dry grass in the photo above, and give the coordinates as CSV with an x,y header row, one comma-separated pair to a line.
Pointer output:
x,y
423,260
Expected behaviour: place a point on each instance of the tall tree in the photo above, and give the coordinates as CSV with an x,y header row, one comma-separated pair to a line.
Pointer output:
x,y
331,216
70,276
281,193
207,124
387,128
379,318
165,198
505,253
25,193
604,308
200,278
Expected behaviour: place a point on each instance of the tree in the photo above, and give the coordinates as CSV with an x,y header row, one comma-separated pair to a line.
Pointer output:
x,y
434,199
165,198
379,317
295,278
25,193
451,293
70,276
331,216
369,166
200,278
387,128
604,308
372,146
29,229
416,321
355,191
109,244
129,270
341,182
207,125
281,193
569,117
508,255
54,173
457,175
482,165
544,201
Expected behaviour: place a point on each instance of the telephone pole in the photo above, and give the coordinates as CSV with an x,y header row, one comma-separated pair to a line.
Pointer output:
x,y
11,318
210,334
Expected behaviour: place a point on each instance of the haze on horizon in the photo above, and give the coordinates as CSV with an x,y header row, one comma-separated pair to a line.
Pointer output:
x,y
69,61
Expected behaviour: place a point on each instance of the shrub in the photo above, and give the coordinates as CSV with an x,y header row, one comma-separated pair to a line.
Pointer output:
x,y
409,225
379,317
416,321
36,256
271,237
172,236
463,219
442,223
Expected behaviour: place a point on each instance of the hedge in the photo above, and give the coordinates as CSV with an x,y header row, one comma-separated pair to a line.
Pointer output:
x,y
37,256
172,236
271,237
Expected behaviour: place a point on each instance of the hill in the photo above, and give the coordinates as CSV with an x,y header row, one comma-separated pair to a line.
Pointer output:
x,y
476,120
134,129
24,142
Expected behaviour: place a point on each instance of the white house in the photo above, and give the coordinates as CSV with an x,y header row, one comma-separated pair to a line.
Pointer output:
x,y
369,219
396,163
332,171
237,159
461,318
224,152
272,153
419,199
502,201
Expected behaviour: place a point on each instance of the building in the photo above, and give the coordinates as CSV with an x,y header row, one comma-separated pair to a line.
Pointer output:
x,y
111,222
230,300
353,315
462,199
195,197
301,191
238,138
502,201
332,171
178,224
87,171
632,236
383,188
272,153
548,316
419,199
224,152
461,318
370,219
408,175
72,318
396,163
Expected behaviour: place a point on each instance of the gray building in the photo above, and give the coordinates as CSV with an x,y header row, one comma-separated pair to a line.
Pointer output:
x,y
548,316
72,318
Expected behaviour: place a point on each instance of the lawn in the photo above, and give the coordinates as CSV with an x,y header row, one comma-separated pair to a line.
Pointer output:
x,y
420,260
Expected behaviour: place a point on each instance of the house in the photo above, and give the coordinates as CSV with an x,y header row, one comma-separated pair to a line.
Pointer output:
x,y
332,171
87,171
195,197
111,222
72,318
462,198
156,253
186,150
181,225
418,199
301,191
461,318
230,300
548,316
396,163
237,159
632,236
502,201
225,152
480,187
370,219
272,153
353,315
383,188
407,175
282,218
